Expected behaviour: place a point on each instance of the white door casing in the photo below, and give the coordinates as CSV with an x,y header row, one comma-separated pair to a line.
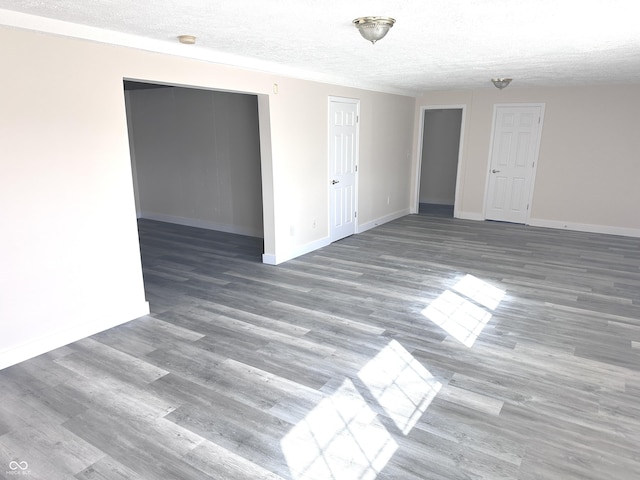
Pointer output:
x,y
343,166
514,153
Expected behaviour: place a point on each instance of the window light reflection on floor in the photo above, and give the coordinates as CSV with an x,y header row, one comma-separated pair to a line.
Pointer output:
x,y
341,438
479,291
461,318
400,384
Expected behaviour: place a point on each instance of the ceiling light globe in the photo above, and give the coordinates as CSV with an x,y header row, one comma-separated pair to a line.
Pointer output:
x,y
373,28
501,83
187,39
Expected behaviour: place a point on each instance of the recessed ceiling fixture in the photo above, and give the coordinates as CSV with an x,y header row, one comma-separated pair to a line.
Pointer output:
x,y
501,83
187,39
373,28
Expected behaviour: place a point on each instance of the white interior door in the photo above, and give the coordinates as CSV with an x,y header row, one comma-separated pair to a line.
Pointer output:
x,y
514,151
343,166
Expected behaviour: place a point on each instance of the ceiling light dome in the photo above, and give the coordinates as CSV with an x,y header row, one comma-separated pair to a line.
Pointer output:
x,y
374,28
501,83
187,39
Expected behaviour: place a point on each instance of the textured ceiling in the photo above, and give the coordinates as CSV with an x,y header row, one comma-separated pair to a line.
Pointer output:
x,y
443,44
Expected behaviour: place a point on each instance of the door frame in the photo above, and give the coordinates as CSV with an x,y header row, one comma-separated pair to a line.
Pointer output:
x,y
355,101
418,164
536,155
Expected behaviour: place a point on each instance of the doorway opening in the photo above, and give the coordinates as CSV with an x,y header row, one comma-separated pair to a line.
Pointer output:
x,y
438,161
196,158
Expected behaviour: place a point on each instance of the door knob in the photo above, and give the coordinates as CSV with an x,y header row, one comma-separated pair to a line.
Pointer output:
x,y
495,171
333,182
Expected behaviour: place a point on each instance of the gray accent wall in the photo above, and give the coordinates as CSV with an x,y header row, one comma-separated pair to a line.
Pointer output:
x,y
196,158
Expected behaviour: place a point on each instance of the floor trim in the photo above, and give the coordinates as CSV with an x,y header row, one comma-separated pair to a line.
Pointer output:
x,y
585,227
195,222
34,348
363,227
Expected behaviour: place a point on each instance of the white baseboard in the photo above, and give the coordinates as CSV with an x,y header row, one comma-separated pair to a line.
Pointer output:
x,y
323,242
269,259
469,216
277,259
194,222
363,227
585,227
38,346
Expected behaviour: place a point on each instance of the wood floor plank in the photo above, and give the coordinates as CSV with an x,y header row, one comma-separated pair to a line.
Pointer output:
x,y
108,469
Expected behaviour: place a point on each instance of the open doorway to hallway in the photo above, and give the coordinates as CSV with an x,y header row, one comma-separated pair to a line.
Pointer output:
x,y
195,157
440,151
196,161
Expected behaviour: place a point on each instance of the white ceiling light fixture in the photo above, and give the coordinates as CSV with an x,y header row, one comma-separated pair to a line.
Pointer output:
x,y
374,28
501,83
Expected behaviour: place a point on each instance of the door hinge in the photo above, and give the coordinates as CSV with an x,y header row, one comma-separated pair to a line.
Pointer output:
x,y
356,168
355,214
527,207
357,118
533,164
539,118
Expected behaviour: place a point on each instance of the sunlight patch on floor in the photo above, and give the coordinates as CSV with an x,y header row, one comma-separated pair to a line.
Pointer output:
x,y
400,384
479,291
460,317
341,438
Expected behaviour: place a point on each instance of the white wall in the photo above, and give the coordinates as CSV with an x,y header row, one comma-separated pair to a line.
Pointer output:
x,y
69,257
299,135
69,252
197,158
385,160
588,170
439,159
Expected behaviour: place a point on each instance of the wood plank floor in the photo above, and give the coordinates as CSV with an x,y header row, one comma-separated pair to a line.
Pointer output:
x,y
427,348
